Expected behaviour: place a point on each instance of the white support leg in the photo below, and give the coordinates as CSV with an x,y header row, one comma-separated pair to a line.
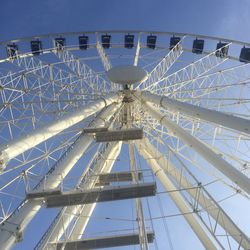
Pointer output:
x,y
210,205
225,120
104,164
216,160
160,70
82,222
28,209
184,208
143,239
20,145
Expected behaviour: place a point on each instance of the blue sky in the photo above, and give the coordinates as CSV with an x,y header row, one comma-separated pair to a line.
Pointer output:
x,y
223,18
227,18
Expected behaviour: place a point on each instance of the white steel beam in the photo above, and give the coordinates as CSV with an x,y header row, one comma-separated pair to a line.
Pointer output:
x,y
105,60
24,143
211,82
82,70
137,51
139,210
162,67
182,205
225,120
106,164
103,164
45,72
216,160
29,208
206,201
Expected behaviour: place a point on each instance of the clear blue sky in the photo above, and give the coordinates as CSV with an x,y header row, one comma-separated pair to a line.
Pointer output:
x,y
223,18
227,18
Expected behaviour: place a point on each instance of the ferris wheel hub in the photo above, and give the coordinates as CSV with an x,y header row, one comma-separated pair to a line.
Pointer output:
x,y
127,74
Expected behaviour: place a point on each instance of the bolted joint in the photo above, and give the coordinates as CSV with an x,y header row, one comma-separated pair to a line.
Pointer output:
x,y
13,229
18,236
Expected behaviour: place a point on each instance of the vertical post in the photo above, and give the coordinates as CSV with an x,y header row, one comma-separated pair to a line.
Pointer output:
x,y
139,211
184,208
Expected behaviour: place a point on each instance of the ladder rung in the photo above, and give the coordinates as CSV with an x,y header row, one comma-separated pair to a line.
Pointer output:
x,y
104,242
102,194
119,135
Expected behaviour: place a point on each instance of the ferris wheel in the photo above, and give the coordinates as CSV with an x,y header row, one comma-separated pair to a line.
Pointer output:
x,y
125,139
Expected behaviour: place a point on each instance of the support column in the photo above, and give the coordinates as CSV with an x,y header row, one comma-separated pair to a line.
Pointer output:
x,y
216,160
22,216
220,118
103,165
184,208
82,222
24,143
206,201
139,211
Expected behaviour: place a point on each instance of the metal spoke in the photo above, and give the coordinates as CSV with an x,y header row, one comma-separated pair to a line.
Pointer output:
x,y
217,161
204,199
190,72
160,70
236,123
83,71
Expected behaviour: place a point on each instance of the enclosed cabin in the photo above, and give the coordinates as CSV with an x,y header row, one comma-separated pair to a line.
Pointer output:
x,y
106,39
198,46
222,49
129,41
36,47
151,42
83,42
173,42
60,43
245,55
12,50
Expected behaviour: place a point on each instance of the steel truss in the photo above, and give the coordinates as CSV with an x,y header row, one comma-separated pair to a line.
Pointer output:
x,y
217,161
83,71
80,214
159,71
199,194
28,208
188,73
20,145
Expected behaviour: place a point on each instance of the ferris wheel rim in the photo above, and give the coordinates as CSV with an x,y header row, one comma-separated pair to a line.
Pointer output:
x,y
52,35
169,33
